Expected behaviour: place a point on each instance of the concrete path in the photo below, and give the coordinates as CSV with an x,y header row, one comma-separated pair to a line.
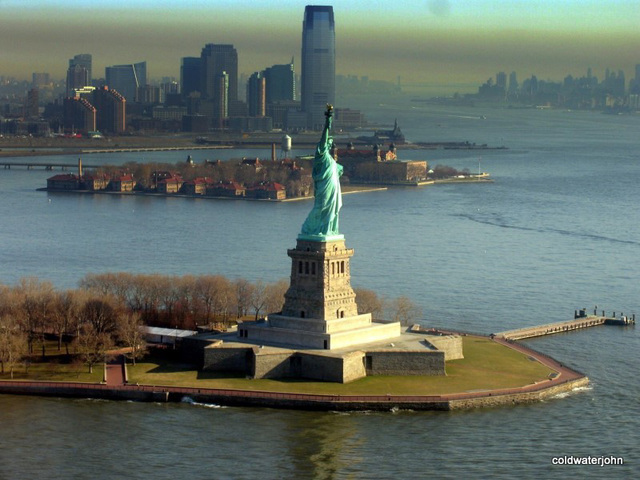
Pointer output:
x,y
116,371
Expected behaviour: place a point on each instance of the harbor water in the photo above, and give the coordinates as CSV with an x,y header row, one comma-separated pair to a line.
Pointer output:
x,y
558,230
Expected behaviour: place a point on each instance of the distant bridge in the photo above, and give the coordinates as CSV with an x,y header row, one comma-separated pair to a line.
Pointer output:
x,y
45,165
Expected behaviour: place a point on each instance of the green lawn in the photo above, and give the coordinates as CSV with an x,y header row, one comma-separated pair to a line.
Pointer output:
x,y
56,372
487,365
54,366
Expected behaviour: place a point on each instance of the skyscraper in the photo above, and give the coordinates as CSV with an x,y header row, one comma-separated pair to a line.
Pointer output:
x,y
79,115
126,79
110,110
216,60
256,95
79,72
281,83
190,76
318,63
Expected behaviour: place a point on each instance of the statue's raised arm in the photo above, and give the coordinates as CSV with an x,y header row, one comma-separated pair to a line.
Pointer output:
x,y
322,221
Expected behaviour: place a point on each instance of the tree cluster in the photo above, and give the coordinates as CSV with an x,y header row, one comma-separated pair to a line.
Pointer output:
x,y
442,171
188,301
87,323
400,309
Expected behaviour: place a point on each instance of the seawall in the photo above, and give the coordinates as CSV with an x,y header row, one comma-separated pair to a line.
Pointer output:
x,y
147,393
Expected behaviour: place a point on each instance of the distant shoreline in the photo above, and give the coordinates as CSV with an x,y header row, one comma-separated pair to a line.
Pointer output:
x,y
38,146
346,190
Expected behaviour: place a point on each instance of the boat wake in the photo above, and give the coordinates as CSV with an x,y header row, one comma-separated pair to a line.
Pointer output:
x,y
573,392
497,222
191,401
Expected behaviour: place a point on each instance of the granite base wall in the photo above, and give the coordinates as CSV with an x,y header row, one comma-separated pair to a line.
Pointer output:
x,y
274,365
228,359
405,363
260,363
451,345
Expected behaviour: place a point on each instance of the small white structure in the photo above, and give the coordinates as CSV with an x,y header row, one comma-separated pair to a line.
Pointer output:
x,y
165,336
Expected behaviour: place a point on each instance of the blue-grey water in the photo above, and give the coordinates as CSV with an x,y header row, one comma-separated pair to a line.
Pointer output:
x,y
558,230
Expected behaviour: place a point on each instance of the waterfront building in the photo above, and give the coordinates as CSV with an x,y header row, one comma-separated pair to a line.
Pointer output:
x,y
220,103
346,118
79,115
85,61
78,72
281,83
279,112
94,181
256,95
267,191
162,112
126,79
110,107
197,186
32,109
318,82
63,181
170,185
190,75
122,183
217,61
149,94
226,189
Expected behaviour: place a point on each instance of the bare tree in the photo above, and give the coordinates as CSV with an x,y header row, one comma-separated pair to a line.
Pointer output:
x,y
274,293
244,291
93,345
65,313
37,300
403,310
130,333
207,295
369,302
101,313
13,343
258,297
187,303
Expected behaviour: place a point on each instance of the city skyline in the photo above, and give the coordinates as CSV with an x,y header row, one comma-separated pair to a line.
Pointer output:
x,y
445,42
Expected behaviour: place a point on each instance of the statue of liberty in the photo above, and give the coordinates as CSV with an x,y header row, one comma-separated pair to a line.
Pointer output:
x,y
322,221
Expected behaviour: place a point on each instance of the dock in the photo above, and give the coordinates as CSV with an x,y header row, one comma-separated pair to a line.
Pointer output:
x,y
581,320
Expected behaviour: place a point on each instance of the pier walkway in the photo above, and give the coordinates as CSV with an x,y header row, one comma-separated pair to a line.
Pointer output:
x,y
581,321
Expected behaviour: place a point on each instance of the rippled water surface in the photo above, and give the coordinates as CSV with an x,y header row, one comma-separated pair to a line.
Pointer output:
x,y
558,230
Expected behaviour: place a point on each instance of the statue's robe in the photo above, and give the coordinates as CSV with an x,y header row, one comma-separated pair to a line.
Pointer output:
x,y
323,219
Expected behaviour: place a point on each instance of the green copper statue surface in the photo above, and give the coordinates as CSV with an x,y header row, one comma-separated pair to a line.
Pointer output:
x,y
322,221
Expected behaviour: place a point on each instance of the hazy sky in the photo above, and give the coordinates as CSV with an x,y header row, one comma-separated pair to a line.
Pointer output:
x,y
430,41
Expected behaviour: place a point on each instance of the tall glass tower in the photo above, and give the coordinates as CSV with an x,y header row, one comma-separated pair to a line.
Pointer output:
x,y
318,63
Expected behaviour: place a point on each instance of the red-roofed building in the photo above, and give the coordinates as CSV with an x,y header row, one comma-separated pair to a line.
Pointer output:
x,y
197,186
63,181
268,190
226,189
170,185
95,181
122,183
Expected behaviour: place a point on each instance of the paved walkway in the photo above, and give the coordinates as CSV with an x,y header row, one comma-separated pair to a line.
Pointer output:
x,y
115,371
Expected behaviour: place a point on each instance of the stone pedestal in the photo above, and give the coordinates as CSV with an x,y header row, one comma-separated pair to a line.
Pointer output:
x,y
320,309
